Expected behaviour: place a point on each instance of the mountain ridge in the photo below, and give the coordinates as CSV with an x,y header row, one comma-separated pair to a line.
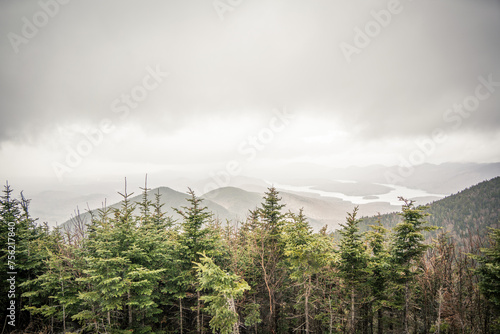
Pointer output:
x,y
471,210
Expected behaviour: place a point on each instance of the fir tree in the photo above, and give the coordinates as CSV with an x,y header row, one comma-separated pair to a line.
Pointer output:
x,y
118,273
197,236
306,254
489,274
379,268
352,263
407,248
223,289
269,254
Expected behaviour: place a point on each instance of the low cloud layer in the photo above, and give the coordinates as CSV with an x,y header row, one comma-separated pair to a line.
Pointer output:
x,y
67,66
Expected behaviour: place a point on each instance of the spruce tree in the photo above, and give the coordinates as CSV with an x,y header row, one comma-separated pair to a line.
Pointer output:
x,y
54,293
306,255
18,239
9,244
352,264
489,274
269,255
407,248
198,235
379,269
119,277
222,291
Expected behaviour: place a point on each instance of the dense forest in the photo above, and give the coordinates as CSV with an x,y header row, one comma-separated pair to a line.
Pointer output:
x,y
472,210
135,270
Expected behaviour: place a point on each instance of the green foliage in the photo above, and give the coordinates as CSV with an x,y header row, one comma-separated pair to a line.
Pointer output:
x,y
198,234
306,255
19,241
252,314
131,271
379,263
353,258
408,239
489,269
224,288
472,209
123,263
353,266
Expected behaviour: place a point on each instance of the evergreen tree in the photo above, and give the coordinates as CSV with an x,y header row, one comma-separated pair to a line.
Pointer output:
x,y
9,222
118,275
19,236
198,235
269,256
379,268
306,254
489,274
353,263
407,248
223,290
55,291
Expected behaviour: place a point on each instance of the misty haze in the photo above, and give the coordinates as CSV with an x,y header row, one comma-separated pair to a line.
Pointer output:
x,y
232,166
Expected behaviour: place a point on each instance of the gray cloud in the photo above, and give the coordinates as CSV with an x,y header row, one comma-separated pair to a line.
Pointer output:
x,y
263,55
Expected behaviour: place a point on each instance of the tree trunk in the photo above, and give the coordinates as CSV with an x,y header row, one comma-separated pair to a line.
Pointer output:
x,y
308,287
64,319
276,315
391,318
353,316
331,314
440,301
180,315
366,321
198,322
380,324
129,309
406,307
486,319
63,308
232,307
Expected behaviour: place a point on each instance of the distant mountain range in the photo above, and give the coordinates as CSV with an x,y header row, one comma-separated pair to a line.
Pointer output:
x,y
325,193
233,204
474,208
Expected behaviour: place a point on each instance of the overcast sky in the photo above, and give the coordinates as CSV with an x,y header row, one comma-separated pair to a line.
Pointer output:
x,y
192,85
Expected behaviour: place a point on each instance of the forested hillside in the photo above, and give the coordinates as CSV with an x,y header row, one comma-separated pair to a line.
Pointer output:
x,y
135,270
472,210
